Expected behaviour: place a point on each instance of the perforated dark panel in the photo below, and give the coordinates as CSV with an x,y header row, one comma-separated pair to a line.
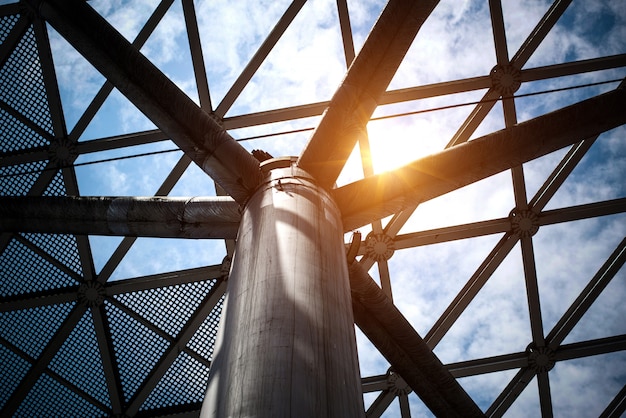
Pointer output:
x,y
14,135
56,186
62,247
21,83
14,183
6,24
49,398
23,271
79,360
30,330
169,308
12,369
203,340
185,382
132,341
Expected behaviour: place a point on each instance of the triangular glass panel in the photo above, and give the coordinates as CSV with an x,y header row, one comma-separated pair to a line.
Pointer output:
x,y
230,36
116,116
463,46
585,30
78,81
168,49
426,279
495,322
114,173
599,176
174,254
485,388
527,404
314,76
605,317
363,16
567,257
586,386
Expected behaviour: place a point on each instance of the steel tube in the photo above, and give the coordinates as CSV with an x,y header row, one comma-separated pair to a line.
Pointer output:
x,y
165,217
286,344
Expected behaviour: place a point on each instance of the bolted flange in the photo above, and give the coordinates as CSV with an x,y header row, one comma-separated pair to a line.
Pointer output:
x,y
62,152
91,294
379,247
225,266
506,79
396,384
540,359
525,223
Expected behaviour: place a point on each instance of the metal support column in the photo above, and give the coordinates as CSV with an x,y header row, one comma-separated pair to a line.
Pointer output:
x,y
286,345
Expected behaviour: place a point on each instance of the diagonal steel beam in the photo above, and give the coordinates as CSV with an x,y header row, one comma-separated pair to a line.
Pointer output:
x,y
165,217
387,193
43,361
258,58
358,96
197,133
588,296
405,350
519,59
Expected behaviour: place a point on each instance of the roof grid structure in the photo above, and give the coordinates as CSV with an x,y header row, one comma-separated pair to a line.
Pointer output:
x,y
514,282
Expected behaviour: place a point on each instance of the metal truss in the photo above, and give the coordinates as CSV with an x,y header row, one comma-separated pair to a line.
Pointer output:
x,y
50,276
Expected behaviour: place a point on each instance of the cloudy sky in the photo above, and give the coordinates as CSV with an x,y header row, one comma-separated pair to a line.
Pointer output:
x,y
306,66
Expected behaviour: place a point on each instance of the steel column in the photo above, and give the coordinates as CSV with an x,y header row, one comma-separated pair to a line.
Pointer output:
x,y
286,344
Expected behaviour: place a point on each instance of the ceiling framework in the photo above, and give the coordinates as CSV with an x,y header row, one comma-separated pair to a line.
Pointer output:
x,y
74,334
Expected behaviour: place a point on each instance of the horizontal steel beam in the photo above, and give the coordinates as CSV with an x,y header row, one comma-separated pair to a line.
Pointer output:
x,y
164,217
384,194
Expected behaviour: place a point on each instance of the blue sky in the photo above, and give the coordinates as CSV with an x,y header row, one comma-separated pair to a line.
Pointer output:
x,y
306,66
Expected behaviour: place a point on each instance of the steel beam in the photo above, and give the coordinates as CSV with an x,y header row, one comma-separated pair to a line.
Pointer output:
x,y
107,87
110,368
346,31
29,380
387,193
358,96
405,350
519,59
195,48
198,134
470,290
259,57
165,217
617,407
588,295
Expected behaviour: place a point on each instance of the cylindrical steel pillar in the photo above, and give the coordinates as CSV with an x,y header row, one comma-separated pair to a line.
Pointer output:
x,y
286,345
